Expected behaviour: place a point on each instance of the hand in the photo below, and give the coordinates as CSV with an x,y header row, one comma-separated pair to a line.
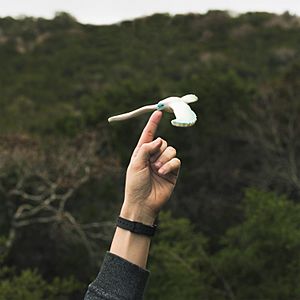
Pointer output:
x,y
151,175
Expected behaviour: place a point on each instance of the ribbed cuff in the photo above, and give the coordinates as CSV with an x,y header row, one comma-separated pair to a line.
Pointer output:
x,y
119,279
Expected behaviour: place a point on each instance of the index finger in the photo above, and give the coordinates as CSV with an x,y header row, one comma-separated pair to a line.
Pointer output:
x,y
148,133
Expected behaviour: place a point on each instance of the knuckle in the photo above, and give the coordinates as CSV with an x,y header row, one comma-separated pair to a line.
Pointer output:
x,y
164,142
177,161
172,150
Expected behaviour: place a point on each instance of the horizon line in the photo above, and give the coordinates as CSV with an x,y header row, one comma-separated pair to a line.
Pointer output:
x,y
231,13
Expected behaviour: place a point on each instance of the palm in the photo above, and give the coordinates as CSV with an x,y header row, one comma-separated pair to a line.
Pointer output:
x,y
147,186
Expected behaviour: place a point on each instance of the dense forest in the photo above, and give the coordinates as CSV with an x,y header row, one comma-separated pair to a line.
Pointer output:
x,y
232,227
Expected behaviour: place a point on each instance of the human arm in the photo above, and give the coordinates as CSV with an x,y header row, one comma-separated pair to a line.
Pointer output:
x,y
150,179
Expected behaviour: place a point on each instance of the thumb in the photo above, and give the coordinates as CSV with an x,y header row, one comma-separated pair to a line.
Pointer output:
x,y
148,149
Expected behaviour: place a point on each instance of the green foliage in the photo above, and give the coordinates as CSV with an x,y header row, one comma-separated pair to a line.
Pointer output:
x,y
59,78
48,66
261,257
29,285
178,261
3,250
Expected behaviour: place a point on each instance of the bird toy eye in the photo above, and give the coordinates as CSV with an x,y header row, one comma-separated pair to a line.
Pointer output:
x,y
160,106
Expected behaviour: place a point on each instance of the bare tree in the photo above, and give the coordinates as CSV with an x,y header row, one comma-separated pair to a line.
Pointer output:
x,y
39,179
272,128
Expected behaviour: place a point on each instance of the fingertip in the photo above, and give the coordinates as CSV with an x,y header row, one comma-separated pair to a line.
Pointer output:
x,y
172,165
157,142
156,116
162,171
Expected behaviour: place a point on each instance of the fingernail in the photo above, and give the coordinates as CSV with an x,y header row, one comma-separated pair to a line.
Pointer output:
x,y
162,171
157,140
158,164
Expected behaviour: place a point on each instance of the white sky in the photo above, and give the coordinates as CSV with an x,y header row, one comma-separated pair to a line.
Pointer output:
x,y
112,11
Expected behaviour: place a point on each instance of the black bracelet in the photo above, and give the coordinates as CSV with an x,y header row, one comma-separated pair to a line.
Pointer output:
x,y
136,227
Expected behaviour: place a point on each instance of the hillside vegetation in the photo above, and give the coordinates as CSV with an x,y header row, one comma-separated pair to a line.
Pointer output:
x,y
231,229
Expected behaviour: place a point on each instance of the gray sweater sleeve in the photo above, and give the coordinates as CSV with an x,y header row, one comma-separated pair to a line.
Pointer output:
x,y
118,279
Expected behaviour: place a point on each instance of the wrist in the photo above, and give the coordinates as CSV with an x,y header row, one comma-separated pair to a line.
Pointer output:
x,y
139,214
130,246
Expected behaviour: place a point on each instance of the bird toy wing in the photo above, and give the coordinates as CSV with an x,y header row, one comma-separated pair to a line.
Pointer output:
x,y
133,113
185,117
190,98
179,106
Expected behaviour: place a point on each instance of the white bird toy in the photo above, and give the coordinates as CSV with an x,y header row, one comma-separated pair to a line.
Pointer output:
x,y
179,106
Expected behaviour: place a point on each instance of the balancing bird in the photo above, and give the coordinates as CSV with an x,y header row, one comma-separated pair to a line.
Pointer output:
x,y
178,105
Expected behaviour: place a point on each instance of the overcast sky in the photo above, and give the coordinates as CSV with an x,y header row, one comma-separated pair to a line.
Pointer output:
x,y
112,11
